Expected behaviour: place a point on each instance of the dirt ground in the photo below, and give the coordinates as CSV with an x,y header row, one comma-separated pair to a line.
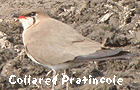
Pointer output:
x,y
115,23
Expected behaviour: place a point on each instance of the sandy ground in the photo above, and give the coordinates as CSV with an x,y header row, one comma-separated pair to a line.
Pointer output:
x,y
115,23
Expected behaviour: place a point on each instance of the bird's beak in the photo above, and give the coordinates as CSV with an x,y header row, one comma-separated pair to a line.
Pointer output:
x,y
16,16
19,16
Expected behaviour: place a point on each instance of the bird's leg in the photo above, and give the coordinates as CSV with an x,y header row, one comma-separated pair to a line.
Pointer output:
x,y
66,73
48,73
54,74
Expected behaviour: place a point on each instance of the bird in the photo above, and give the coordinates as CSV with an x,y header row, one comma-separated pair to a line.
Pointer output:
x,y
56,45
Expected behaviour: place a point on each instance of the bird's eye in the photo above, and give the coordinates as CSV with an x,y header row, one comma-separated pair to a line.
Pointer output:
x,y
32,14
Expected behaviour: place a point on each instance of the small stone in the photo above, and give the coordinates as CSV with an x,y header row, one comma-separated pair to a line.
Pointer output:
x,y
105,17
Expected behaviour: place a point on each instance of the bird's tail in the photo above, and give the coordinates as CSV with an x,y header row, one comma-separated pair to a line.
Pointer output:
x,y
103,55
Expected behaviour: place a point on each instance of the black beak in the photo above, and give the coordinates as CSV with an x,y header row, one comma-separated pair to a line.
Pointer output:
x,y
16,15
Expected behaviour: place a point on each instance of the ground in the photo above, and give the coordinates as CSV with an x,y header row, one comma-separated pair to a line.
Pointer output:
x,y
114,23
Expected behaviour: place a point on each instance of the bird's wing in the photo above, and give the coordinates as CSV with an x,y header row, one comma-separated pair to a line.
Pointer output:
x,y
103,55
57,42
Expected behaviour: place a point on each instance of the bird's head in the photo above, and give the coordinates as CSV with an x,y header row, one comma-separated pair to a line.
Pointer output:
x,y
29,18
